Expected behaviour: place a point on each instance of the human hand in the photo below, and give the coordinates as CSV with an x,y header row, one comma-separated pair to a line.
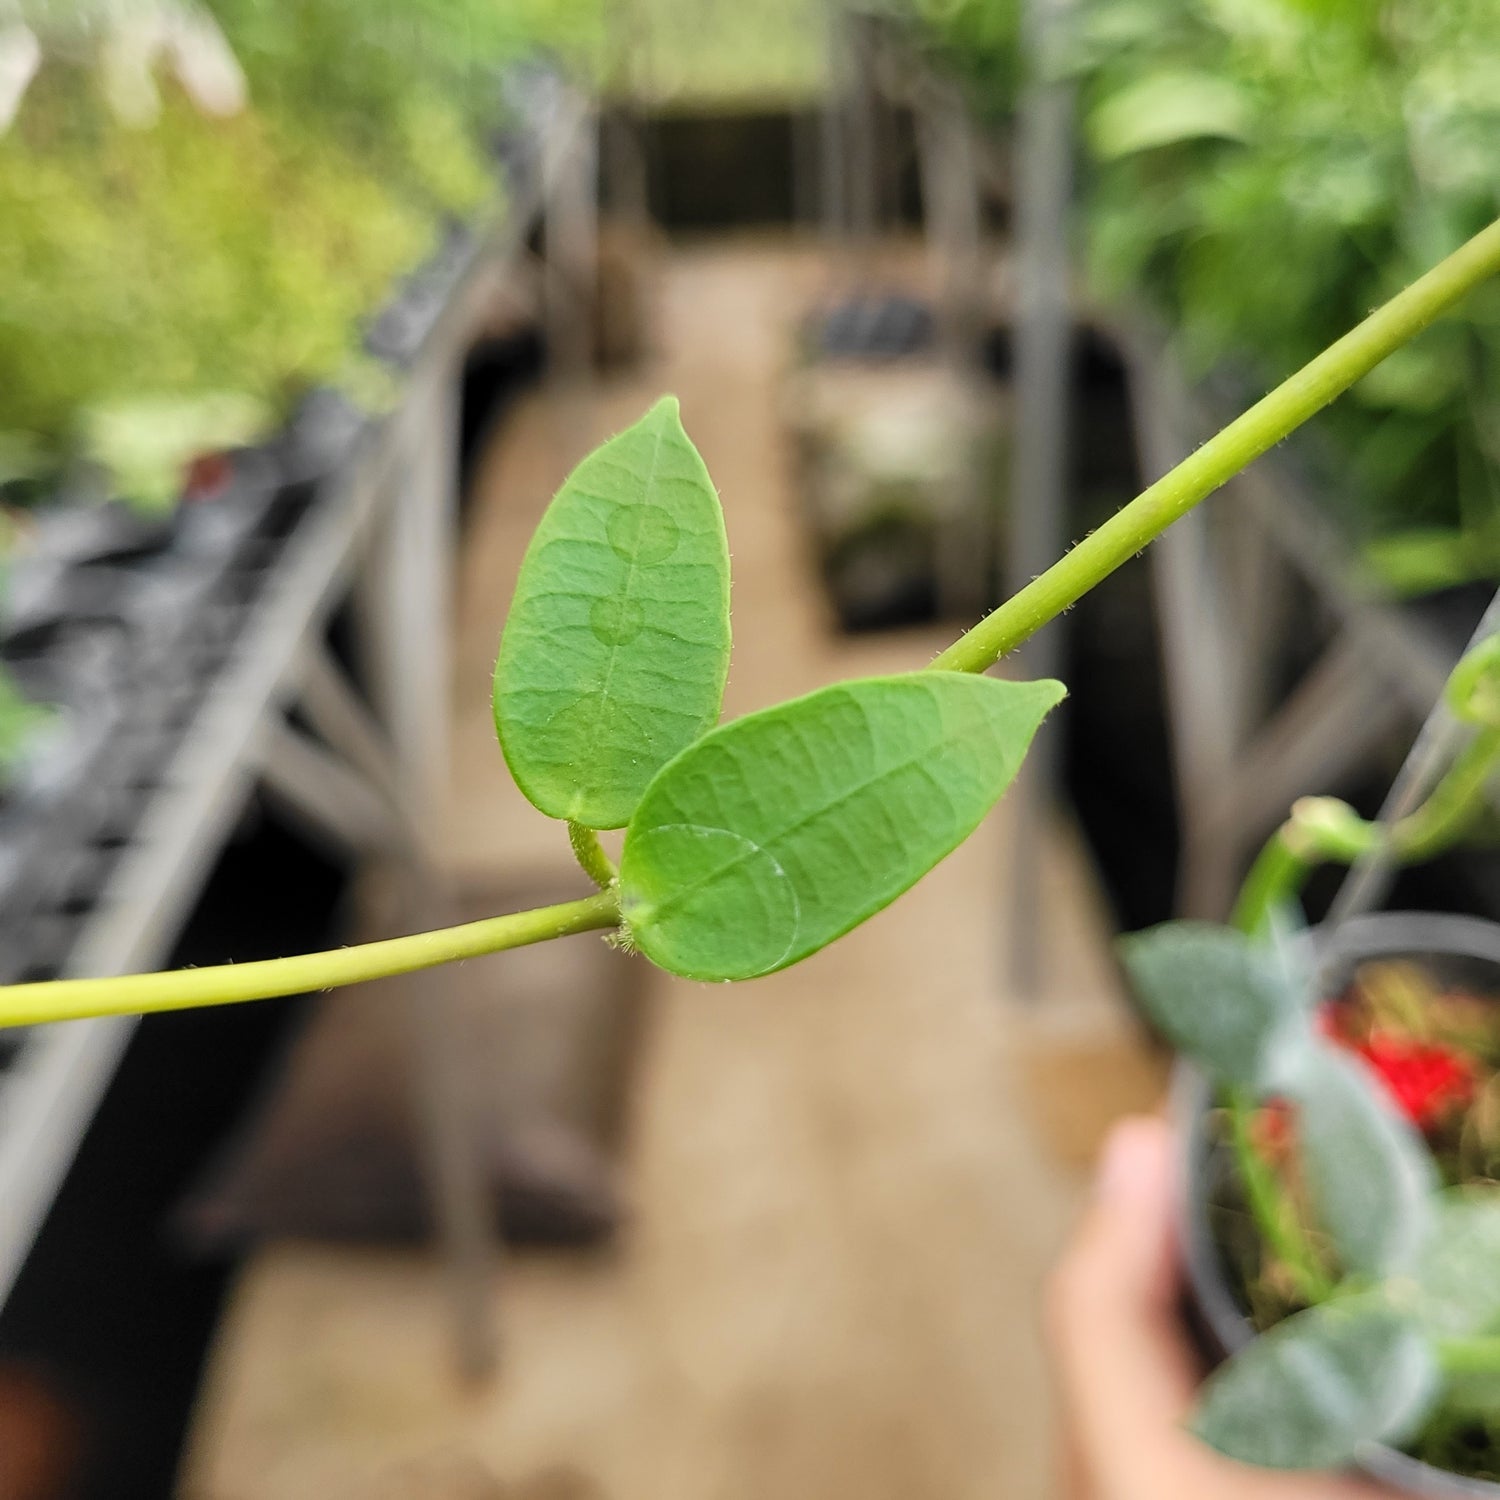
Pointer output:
x,y
1126,1369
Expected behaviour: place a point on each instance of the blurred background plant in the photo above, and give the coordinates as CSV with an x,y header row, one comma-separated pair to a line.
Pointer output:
x,y
979,41
220,259
719,51
1264,172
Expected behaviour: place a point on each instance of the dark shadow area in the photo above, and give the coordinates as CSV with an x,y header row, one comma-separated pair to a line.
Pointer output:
x,y
108,1311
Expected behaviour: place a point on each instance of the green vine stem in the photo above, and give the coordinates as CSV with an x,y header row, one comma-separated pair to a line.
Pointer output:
x,y
229,984
1325,830
1275,876
1126,533
1272,1210
1319,829
589,853
1222,457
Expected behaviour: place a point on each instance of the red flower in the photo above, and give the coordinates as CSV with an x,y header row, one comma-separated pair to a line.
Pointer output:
x,y
1427,1082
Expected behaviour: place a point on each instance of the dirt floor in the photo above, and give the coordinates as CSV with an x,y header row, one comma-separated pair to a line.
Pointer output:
x,y
846,1180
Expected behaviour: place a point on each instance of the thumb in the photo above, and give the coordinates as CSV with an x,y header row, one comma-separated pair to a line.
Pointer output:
x,y
1125,1366
1124,1361
1125,1247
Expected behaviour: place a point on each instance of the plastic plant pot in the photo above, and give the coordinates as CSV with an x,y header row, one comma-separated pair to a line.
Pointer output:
x,y
1458,950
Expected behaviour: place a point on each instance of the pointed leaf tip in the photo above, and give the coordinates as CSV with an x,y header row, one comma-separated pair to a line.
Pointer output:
x,y
779,832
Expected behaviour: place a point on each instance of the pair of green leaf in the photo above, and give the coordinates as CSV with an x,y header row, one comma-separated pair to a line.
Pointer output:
x,y
749,846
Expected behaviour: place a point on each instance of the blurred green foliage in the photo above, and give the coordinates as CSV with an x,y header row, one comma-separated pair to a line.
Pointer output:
x,y
210,258
977,40
1266,172
1261,173
716,54
20,722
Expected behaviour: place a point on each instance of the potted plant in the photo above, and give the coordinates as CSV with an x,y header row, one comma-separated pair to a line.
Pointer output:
x,y
751,844
1340,1197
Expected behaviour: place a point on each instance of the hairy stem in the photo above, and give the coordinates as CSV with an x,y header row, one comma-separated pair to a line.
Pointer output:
x,y
228,984
589,853
1222,457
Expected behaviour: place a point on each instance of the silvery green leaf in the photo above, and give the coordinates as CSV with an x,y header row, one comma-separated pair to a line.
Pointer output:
x,y
1319,1387
1227,1000
1370,1173
1457,1273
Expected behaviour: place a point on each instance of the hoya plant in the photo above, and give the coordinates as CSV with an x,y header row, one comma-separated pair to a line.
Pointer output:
x,y
1393,1272
752,844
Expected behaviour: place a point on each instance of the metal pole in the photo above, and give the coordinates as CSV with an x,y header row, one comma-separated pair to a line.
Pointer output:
x,y
1437,742
1039,481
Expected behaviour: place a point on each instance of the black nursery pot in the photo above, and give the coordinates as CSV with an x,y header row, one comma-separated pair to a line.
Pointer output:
x,y
1459,950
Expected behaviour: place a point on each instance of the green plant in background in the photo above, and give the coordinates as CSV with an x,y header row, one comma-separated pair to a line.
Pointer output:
x,y
409,89
1263,172
199,262
20,721
719,54
194,258
978,40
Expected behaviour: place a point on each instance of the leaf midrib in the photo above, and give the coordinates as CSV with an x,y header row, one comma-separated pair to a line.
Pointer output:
x,y
602,786
773,840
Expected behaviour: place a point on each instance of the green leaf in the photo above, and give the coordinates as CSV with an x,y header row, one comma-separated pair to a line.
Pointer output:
x,y
1320,1386
1457,1285
779,832
1370,1173
617,644
1423,559
1165,108
1228,1001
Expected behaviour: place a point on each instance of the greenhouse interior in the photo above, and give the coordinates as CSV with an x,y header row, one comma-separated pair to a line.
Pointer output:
x,y
749,750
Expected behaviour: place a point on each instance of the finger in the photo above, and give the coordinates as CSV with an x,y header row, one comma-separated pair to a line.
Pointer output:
x,y
1126,1370
1114,1314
